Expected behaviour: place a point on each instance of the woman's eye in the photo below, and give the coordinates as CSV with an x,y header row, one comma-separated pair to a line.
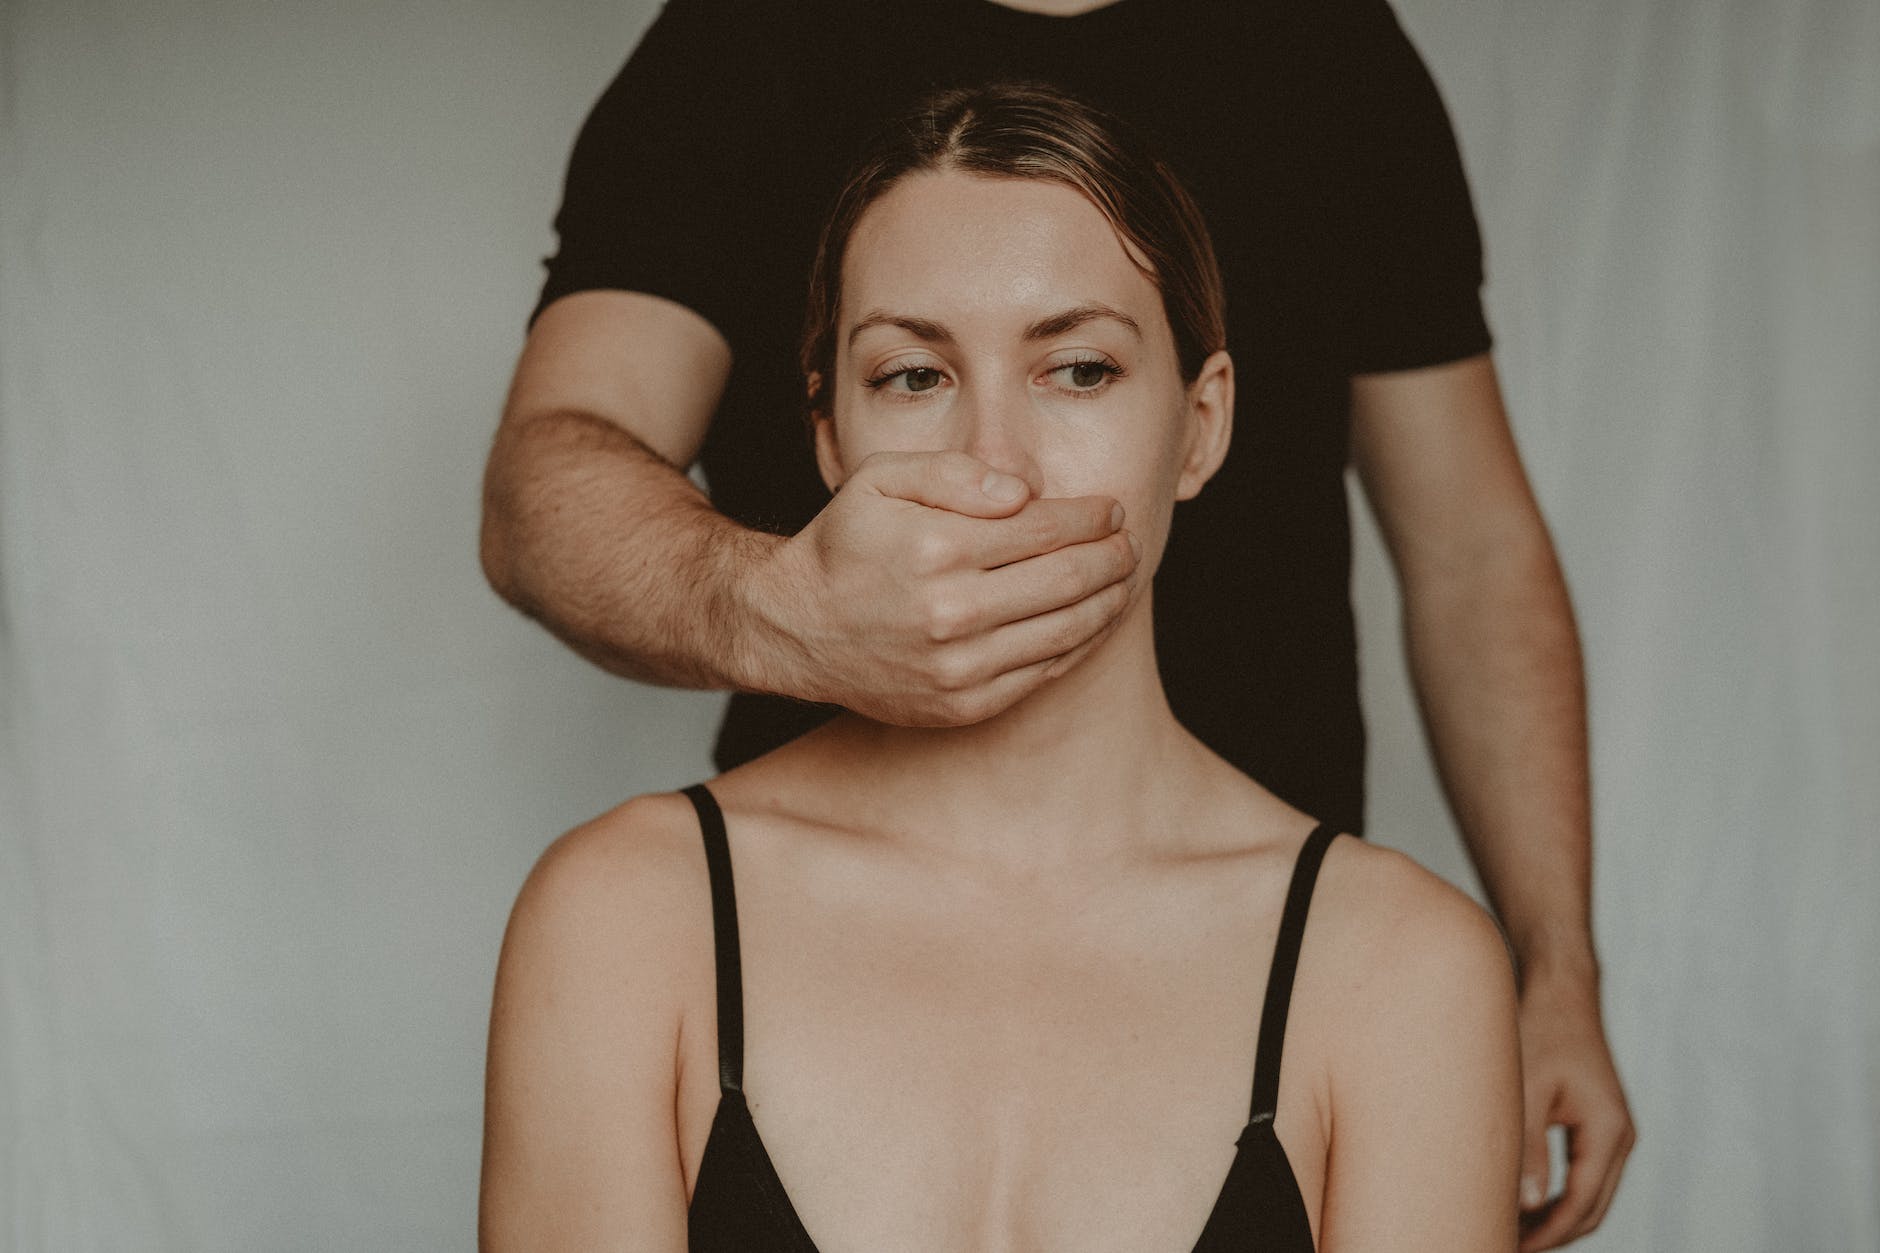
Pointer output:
x,y
913,378
1087,376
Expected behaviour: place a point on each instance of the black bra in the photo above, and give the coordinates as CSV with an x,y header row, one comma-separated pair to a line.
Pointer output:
x,y
739,1204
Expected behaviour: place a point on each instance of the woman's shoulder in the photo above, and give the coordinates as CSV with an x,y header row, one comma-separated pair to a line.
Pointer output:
x,y
1400,917
1421,1052
649,827
605,959
622,886
1421,967
644,840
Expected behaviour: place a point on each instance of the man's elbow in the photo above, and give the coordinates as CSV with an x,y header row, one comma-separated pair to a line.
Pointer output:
x,y
493,551
498,533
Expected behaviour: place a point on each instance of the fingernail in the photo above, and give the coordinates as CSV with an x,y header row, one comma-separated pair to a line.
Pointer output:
x,y
1116,516
1002,486
1135,545
1531,1194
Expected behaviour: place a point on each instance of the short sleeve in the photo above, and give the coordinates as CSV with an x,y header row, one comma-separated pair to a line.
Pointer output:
x,y
1408,248
668,171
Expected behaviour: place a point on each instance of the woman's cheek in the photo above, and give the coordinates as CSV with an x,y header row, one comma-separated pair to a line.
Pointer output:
x,y
864,430
1151,519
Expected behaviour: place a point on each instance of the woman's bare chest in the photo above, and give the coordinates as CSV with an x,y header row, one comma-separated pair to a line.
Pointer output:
x,y
935,1071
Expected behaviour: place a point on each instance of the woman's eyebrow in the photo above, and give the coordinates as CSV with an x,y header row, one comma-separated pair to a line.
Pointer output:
x,y
932,332
1072,318
1044,328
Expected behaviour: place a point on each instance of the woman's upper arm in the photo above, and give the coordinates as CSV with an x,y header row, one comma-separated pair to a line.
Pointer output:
x,y
580,1149
1426,1095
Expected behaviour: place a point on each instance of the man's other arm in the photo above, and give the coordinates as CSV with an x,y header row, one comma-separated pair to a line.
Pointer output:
x,y
1495,659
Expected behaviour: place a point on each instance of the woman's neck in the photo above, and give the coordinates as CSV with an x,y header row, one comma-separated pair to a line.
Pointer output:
x,y
1077,771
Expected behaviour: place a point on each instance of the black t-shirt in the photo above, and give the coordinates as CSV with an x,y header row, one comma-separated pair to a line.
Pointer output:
x,y
1315,142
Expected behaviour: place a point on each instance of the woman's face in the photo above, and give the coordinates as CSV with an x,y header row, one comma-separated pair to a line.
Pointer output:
x,y
1003,317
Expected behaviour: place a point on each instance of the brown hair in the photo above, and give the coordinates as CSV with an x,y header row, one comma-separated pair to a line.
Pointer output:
x,y
1031,130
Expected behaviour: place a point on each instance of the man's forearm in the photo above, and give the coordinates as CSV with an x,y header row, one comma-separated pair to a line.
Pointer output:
x,y
620,556
1495,657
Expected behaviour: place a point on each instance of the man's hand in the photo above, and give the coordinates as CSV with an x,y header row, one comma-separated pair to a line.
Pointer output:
x,y
1568,1078
916,596
932,592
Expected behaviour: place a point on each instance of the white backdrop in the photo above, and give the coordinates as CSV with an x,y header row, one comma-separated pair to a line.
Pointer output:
x,y
274,760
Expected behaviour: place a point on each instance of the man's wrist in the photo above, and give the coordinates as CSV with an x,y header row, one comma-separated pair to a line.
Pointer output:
x,y
1557,961
763,616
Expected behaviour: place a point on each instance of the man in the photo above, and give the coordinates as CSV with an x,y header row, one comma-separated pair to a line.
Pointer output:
x,y
1320,152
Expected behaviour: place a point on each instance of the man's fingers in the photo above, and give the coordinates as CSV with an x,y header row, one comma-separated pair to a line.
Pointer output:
x,y
978,671
1615,1166
1590,1157
1005,690
943,480
1553,1225
1042,526
1028,658
1060,632
1077,654
1574,1203
1534,1152
998,668
1038,585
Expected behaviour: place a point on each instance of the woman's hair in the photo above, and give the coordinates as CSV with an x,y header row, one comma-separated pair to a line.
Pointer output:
x,y
1030,130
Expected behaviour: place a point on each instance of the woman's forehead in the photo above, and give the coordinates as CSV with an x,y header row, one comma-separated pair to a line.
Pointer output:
x,y
948,243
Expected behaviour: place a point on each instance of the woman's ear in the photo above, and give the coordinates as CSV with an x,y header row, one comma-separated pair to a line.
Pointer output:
x,y
1210,424
823,431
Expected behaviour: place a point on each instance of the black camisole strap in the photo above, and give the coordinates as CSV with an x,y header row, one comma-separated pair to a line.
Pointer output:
x,y
711,822
1292,926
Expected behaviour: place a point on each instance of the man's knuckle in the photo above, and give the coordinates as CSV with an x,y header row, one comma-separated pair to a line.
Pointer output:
x,y
946,620
1060,588
932,550
967,707
1092,611
1073,637
1613,1130
951,673
1096,613
1098,572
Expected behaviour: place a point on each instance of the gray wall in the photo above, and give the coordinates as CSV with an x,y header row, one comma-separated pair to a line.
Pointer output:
x,y
276,760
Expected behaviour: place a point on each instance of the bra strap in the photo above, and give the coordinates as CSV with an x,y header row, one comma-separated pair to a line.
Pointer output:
x,y
711,822
1292,926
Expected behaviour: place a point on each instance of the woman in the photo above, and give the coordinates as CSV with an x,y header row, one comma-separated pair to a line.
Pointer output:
x,y
1027,983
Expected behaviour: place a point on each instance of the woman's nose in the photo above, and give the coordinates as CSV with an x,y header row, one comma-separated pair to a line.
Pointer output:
x,y
998,429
